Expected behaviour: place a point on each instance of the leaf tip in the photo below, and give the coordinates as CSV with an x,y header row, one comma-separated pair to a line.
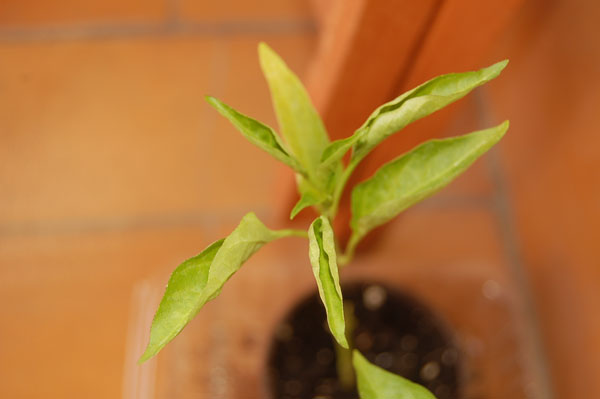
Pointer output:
x,y
147,355
343,342
264,51
502,128
211,100
300,205
269,60
262,46
499,67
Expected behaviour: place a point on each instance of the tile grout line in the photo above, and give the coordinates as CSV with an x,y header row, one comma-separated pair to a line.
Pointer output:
x,y
173,26
206,221
173,12
505,218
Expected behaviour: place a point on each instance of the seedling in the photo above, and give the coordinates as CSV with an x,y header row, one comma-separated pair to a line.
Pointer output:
x,y
321,178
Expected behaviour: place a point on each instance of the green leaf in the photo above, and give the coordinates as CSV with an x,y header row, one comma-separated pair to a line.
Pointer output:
x,y
324,265
250,235
377,383
299,122
416,175
337,149
306,200
182,299
415,104
257,133
200,279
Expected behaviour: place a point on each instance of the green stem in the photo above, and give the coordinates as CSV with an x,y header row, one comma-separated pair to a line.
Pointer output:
x,y
348,255
343,364
339,188
293,233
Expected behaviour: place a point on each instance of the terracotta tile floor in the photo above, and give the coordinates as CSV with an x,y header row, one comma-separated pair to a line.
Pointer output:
x,y
113,169
246,12
67,310
37,14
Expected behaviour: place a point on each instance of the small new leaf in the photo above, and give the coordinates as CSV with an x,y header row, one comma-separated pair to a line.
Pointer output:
x,y
306,200
299,122
376,383
200,279
324,265
410,106
257,133
415,176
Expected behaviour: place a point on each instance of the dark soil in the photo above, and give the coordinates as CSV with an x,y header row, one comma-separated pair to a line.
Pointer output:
x,y
393,331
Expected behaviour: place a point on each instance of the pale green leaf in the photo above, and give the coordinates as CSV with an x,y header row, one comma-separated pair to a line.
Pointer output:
x,y
299,122
257,133
416,175
376,383
243,242
410,106
306,200
182,299
200,279
324,265
337,149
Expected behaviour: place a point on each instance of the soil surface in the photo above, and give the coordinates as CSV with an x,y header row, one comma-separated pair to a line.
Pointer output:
x,y
392,331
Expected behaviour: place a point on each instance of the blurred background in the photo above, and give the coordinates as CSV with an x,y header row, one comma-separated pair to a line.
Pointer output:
x,y
114,169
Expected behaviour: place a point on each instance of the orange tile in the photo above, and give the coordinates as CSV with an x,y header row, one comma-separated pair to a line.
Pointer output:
x,y
102,129
243,11
36,13
69,299
106,130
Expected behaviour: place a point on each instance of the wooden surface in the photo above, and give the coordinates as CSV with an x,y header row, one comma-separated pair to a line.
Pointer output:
x,y
551,93
459,38
352,71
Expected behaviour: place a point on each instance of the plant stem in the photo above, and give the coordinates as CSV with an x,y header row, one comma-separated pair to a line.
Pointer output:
x,y
348,255
293,233
339,189
343,364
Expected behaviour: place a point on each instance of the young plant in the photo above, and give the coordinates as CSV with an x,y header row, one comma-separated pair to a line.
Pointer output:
x,y
321,179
